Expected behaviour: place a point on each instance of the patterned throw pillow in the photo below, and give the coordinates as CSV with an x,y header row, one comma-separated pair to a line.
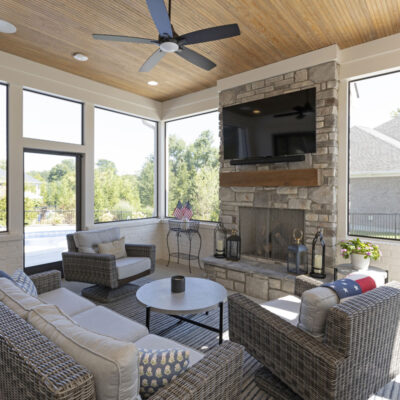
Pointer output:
x,y
24,282
159,367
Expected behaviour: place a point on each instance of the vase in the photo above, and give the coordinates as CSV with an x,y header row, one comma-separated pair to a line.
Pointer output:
x,y
359,262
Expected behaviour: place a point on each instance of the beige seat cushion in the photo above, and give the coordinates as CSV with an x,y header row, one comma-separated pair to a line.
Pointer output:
x,y
288,308
116,248
113,363
107,322
87,241
16,299
315,304
155,342
69,302
130,266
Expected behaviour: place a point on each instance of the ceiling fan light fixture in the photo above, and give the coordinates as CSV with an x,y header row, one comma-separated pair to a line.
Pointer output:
x,y
7,27
152,83
80,57
169,47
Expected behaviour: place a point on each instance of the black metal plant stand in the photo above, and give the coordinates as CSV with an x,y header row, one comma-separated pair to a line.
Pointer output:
x,y
189,229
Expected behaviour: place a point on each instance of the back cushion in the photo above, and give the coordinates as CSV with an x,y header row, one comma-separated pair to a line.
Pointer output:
x,y
16,299
113,363
315,304
87,241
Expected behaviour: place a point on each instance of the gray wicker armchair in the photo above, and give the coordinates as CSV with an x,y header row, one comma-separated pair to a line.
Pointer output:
x,y
101,269
360,354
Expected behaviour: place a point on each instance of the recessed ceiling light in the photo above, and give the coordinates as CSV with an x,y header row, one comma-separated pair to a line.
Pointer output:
x,y
80,57
152,83
256,112
6,27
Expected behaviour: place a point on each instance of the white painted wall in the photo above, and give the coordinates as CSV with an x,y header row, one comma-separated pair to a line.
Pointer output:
x,y
362,60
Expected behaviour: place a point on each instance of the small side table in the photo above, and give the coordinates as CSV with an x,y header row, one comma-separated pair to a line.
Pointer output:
x,y
345,269
189,229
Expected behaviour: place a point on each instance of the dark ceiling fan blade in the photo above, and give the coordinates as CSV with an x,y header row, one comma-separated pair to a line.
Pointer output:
x,y
152,61
160,17
210,34
286,114
196,58
129,39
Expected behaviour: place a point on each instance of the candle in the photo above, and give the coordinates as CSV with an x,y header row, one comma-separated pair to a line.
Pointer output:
x,y
220,246
318,262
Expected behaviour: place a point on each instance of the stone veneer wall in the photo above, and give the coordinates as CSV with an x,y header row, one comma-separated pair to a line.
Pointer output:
x,y
319,203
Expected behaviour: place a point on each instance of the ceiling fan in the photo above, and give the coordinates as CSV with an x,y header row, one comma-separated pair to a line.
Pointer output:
x,y
170,42
299,111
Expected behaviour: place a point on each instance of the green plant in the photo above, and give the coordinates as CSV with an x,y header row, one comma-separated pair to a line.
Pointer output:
x,y
356,246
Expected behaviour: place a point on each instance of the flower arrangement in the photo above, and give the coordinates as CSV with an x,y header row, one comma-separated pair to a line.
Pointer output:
x,y
356,246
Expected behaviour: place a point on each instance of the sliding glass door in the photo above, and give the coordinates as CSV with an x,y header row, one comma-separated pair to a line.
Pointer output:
x,y
51,206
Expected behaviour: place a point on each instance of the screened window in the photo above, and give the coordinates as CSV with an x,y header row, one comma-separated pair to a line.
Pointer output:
x,y
52,118
193,165
3,157
374,157
125,167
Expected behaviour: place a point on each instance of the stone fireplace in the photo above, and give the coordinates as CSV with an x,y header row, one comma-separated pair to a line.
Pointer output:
x,y
267,232
278,210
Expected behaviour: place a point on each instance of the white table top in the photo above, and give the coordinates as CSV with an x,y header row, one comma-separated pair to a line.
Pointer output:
x,y
200,295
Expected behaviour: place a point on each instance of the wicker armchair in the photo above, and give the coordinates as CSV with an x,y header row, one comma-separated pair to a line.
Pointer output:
x,y
101,269
360,354
33,367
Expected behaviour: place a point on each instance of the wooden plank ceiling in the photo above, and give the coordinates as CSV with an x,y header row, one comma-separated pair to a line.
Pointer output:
x,y
50,31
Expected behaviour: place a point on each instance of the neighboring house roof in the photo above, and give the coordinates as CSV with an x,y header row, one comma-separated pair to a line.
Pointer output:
x,y
28,178
373,152
390,128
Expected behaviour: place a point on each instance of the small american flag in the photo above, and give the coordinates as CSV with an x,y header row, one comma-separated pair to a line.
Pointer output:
x,y
187,211
178,212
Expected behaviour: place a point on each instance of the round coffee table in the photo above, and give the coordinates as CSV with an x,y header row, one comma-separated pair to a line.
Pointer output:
x,y
200,295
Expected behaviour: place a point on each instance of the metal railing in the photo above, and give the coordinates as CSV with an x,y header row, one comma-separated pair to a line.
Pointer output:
x,y
50,217
385,226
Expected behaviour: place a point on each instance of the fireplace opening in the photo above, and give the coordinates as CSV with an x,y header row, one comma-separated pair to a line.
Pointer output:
x,y
267,232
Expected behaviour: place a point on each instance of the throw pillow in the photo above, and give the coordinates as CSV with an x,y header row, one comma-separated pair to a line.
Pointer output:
x,y
24,282
159,367
5,275
116,248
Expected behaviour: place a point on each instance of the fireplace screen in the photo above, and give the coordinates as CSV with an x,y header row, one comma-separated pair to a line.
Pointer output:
x,y
267,232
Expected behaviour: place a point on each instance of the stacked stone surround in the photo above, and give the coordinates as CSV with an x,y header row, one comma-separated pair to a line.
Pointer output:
x,y
318,203
260,280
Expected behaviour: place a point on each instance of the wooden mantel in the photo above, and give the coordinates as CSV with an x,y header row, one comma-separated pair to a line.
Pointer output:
x,y
275,178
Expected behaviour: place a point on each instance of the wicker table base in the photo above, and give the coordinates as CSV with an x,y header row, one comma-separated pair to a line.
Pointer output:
x,y
273,386
104,294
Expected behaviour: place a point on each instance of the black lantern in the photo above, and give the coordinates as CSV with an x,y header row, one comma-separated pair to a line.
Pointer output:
x,y
219,241
233,247
318,256
297,260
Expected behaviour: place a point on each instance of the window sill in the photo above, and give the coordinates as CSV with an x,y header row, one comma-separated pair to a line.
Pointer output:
x,y
125,224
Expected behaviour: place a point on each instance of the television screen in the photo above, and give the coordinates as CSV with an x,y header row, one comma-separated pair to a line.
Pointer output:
x,y
276,126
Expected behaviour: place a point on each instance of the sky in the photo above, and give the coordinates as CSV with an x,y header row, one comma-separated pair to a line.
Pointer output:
x,y
378,97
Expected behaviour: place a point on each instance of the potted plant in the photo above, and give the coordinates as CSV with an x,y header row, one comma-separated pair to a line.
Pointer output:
x,y
360,252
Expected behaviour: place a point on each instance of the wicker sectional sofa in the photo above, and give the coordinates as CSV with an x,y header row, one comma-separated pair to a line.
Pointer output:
x,y
34,367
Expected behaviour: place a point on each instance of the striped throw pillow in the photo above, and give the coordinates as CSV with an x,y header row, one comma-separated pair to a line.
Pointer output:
x,y
24,282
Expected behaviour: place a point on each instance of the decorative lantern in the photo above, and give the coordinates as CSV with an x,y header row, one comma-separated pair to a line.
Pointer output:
x,y
297,260
318,256
219,241
233,247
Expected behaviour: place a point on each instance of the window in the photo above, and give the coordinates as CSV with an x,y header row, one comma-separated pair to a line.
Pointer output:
x,y
51,118
193,165
374,157
3,157
125,167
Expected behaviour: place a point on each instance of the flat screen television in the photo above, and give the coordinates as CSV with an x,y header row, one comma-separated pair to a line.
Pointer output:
x,y
277,126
